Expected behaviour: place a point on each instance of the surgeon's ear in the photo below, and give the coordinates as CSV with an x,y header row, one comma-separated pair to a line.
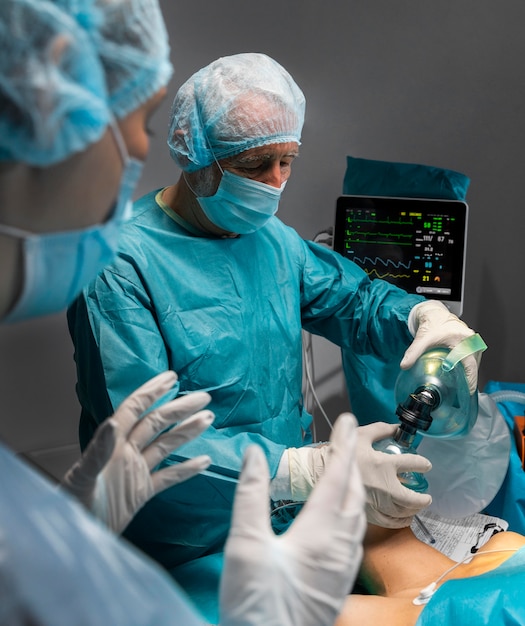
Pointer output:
x,y
58,48
177,137
135,126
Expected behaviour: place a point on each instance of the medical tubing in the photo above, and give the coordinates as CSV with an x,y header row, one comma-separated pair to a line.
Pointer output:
x,y
308,371
286,504
318,402
427,592
311,386
507,395
307,347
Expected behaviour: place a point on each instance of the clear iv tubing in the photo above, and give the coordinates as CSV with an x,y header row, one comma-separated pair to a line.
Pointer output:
x,y
311,386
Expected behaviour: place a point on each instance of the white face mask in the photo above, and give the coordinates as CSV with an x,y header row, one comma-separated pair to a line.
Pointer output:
x,y
58,265
241,205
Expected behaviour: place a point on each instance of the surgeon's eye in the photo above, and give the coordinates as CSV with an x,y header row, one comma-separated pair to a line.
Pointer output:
x,y
249,170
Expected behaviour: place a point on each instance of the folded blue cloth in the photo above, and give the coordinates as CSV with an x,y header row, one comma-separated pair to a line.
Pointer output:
x,y
366,177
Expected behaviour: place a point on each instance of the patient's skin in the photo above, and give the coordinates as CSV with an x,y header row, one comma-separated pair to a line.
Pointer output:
x,y
396,566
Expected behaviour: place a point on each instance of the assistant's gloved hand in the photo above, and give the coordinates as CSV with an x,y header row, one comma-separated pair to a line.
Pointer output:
x,y
432,325
388,503
302,576
114,477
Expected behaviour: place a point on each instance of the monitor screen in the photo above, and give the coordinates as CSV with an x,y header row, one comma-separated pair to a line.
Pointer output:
x,y
416,244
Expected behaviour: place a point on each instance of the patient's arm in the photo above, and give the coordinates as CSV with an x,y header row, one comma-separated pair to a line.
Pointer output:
x,y
367,610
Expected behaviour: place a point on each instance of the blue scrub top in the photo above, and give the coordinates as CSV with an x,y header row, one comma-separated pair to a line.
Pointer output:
x,y
59,566
226,315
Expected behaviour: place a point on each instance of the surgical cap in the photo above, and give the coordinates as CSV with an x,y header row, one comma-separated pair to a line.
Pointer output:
x,y
133,47
68,66
236,103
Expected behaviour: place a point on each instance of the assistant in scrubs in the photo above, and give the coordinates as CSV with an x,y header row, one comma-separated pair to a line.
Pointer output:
x,y
78,81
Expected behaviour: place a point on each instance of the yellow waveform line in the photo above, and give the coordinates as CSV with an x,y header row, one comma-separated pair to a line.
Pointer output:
x,y
378,275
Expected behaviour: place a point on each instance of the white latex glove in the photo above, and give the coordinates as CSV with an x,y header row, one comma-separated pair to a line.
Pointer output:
x,y
388,503
302,576
114,478
433,325
306,465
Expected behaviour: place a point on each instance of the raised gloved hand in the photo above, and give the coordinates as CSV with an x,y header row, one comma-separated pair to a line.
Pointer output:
x,y
388,503
114,478
432,324
302,576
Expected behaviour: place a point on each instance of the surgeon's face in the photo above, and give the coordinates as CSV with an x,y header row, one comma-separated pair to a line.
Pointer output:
x,y
270,164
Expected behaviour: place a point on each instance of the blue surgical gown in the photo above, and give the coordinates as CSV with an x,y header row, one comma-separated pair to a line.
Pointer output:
x,y
226,315
61,567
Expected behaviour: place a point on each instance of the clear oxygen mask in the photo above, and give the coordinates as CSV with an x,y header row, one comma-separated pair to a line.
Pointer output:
x,y
433,400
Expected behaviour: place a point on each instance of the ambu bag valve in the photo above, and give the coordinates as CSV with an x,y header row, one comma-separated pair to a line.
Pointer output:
x,y
433,400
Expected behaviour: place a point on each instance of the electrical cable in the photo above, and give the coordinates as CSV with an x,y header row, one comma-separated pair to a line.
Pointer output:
x,y
311,386
310,397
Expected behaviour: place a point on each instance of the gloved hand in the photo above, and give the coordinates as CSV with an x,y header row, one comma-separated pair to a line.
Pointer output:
x,y
432,324
388,503
302,576
306,465
114,478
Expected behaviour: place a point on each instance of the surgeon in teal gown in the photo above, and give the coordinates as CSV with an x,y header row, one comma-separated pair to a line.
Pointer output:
x,y
210,283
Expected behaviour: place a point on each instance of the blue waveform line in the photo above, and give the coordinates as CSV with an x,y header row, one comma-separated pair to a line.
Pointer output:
x,y
385,262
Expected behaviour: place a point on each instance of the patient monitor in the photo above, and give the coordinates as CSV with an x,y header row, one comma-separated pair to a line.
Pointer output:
x,y
415,243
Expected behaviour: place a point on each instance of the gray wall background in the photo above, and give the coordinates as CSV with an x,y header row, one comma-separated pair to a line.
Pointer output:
x,y
440,83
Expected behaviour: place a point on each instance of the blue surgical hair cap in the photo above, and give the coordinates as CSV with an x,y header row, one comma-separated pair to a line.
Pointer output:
x,y
68,67
234,104
133,47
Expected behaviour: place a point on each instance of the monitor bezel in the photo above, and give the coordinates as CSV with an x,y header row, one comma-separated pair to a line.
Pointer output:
x,y
427,206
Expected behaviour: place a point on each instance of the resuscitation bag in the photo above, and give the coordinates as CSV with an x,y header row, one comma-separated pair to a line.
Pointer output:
x,y
458,465
468,472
